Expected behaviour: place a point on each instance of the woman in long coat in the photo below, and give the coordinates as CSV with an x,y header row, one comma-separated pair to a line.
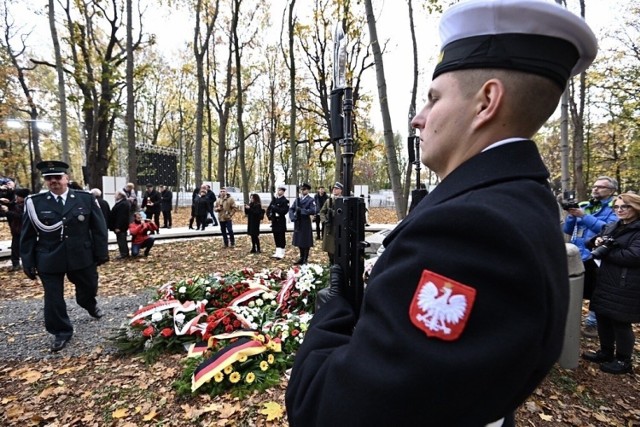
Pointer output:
x,y
254,214
616,297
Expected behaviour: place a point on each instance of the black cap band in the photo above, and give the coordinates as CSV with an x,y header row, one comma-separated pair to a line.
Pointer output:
x,y
546,56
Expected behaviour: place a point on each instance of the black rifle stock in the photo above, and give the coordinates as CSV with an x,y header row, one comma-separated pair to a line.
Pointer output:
x,y
349,211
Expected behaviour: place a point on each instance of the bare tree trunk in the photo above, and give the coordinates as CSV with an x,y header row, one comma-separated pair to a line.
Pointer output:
x,y
577,116
239,102
412,103
62,97
292,88
394,170
200,47
32,122
132,158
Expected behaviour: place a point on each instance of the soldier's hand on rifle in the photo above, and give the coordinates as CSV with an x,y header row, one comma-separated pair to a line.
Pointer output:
x,y
336,281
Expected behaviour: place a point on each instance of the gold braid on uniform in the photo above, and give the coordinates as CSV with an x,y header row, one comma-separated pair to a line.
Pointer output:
x,y
33,216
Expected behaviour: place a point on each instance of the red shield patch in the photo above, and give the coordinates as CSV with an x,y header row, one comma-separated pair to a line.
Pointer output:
x,y
441,306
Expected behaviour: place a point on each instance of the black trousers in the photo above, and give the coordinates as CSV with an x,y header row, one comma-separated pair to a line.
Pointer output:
x,y
166,218
56,319
616,336
123,248
280,239
15,250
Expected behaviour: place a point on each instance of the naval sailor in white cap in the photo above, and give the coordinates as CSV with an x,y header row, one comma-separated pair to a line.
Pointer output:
x,y
464,312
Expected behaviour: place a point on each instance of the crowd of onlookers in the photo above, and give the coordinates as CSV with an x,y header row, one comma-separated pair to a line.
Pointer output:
x,y
606,230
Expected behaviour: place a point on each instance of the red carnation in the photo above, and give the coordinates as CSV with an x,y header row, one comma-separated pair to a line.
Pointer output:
x,y
295,333
148,332
167,332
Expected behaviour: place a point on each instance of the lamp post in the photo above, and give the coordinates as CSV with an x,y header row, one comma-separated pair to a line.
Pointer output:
x,y
41,125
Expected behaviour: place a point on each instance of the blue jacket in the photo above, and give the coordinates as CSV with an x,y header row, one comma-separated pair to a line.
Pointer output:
x,y
581,230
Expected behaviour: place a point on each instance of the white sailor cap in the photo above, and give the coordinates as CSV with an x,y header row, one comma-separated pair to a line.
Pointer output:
x,y
534,36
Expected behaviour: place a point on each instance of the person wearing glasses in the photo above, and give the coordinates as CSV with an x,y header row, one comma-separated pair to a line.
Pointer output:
x,y
63,234
582,224
616,297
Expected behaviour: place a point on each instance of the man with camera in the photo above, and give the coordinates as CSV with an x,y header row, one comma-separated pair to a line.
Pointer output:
x,y
583,222
140,230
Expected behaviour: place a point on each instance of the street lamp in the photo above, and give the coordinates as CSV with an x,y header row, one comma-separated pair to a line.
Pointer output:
x,y
41,125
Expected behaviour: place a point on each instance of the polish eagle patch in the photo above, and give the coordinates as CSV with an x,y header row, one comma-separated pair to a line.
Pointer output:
x,y
441,306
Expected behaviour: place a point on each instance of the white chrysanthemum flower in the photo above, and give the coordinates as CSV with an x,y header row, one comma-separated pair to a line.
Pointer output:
x,y
156,317
179,318
182,289
259,302
251,304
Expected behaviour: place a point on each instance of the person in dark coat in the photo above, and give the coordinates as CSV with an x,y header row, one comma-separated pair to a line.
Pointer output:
x,y
63,234
119,223
276,212
211,197
255,213
151,205
320,197
166,198
13,211
300,214
104,205
201,209
327,213
464,312
616,295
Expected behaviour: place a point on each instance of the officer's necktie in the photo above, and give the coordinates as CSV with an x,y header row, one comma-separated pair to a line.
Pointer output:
x,y
60,202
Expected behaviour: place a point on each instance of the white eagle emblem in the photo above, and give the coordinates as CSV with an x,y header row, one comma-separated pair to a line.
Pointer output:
x,y
442,309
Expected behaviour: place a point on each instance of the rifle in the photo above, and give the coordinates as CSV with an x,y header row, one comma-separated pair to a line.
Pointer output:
x,y
349,211
420,192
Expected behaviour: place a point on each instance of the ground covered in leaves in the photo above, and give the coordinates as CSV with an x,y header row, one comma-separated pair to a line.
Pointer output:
x,y
103,389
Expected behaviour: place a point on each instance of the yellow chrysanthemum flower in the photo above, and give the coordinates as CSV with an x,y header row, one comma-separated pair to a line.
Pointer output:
x,y
228,369
218,377
264,365
260,338
251,377
243,358
235,377
271,359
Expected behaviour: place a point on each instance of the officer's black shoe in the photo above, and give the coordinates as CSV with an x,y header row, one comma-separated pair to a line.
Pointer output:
x,y
59,343
617,367
597,356
97,313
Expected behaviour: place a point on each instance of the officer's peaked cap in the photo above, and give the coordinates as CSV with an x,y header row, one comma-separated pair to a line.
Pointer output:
x,y
52,167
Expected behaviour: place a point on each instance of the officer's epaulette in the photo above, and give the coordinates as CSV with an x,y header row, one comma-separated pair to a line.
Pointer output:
x,y
33,196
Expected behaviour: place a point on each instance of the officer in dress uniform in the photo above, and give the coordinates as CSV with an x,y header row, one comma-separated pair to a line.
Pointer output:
x,y
63,233
464,311
300,214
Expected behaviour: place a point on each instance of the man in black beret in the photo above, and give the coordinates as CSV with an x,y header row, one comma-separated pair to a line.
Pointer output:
x,y
464,312
63,233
